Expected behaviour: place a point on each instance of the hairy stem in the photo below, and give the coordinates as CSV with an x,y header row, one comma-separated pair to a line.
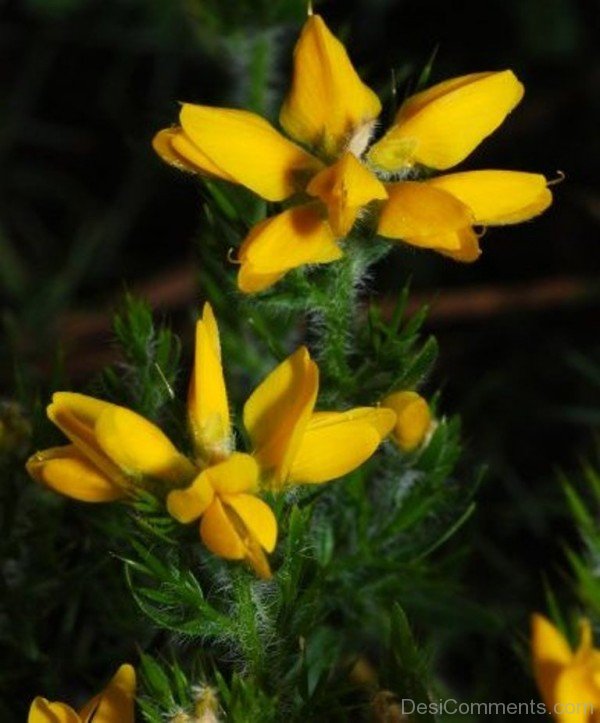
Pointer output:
x,y
336,313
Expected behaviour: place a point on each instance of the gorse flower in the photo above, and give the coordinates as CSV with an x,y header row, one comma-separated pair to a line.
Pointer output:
x,y
291,444
338,172
115,704
115,451
569,681
112,448
236,524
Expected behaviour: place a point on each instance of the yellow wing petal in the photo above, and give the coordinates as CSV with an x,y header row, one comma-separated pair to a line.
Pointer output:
x,y
498,197
42,711
327,101
334,444
116,702
256,516
345,187
441,126
86,409
380,418
468,245
293,238
219,534
251,281
190,503
246,148
174,147
208,408
550,655
238,473
413,418
76,416
139,447
423,216
66,471
277,412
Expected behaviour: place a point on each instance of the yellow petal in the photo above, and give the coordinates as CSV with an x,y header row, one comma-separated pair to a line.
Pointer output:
x,y
208,409
335,443
139,447
468,246
251,281
174,147
327,101
576,695
86,409
442,125
42,711
498,197
345,187
277,412
256,516
246,148
76,416
66,471
380,418
190,503
116,702
550,655
238,473
219,534
293,238
423,216
257,560
413,418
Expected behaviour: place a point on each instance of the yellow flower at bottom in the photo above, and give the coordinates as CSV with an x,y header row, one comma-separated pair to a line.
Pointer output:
x,y
569,681
235,524
413,419
115,704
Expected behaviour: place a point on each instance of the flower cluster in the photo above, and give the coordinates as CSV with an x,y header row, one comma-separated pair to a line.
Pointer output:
x,y
339,171
113,450
333,169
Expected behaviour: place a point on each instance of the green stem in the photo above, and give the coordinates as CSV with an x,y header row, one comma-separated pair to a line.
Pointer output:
x,y
337,308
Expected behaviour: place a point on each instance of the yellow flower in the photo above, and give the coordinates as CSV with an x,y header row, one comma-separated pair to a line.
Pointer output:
x,y
327,110
292,444
111,449
413,419
332,113
440,213
236,525
569,681
115,704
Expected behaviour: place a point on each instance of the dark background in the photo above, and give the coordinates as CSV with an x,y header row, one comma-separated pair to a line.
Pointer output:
x,y
86,209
